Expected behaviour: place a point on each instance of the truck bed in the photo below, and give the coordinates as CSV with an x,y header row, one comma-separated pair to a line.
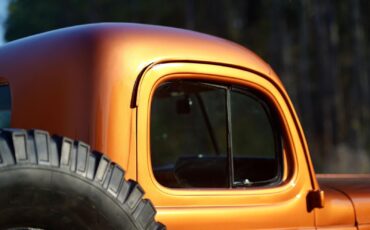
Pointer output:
x,y
356,187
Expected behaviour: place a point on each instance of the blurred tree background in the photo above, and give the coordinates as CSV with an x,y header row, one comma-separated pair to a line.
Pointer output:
x,y
320,49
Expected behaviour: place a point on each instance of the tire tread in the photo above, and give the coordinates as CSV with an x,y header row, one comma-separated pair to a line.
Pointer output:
x,y
37,147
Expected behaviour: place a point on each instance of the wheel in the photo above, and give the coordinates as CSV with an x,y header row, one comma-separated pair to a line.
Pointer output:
x,y
57,183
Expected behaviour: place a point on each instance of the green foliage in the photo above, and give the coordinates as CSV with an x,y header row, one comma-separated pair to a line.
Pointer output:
x,y
27,17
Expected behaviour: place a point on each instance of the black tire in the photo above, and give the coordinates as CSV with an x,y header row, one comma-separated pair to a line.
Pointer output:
x,y
56,183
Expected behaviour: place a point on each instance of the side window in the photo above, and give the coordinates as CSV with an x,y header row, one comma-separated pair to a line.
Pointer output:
x,y
5,104
256,140
188,141
212,136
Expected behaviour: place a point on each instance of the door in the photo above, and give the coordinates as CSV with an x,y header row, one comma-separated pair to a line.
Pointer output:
x,y
219,149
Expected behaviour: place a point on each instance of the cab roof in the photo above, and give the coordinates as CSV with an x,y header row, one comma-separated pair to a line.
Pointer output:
x,y
140,44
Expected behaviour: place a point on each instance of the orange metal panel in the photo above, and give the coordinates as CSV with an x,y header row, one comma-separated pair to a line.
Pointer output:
x,y
225,208
364,227
356,187
338,211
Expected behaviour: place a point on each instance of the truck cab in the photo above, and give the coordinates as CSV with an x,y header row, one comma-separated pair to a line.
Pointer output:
x,y
202,124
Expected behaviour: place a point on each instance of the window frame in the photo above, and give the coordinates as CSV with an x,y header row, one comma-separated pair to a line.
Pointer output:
x,y
297,177
271,114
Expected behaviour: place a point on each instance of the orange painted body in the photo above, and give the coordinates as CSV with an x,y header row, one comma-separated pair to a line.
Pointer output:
x,y
95,83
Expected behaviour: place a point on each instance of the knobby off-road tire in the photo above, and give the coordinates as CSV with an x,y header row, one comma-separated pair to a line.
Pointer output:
x,y
57,183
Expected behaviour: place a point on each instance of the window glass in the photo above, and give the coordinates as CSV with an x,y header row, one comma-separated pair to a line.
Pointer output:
x,y
188,135
5,106
254,154
212,136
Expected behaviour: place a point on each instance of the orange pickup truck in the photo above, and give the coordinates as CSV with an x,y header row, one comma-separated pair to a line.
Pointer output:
x,y
202,125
